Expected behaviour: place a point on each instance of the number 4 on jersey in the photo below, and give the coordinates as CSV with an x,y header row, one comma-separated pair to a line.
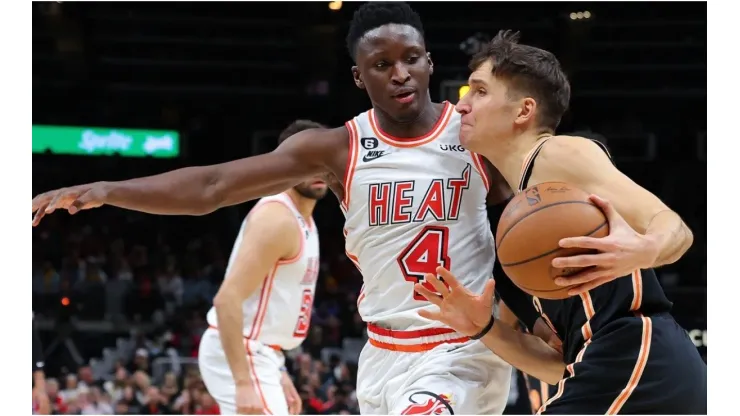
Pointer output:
x,y
423,255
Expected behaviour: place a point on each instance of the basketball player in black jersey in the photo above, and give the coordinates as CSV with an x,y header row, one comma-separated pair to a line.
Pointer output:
x,y
622,351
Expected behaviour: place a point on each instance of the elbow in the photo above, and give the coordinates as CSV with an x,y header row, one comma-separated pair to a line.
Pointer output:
x,y
689,241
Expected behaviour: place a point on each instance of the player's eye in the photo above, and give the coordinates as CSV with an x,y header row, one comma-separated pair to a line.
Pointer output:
x,y
412,60
381,64
480,91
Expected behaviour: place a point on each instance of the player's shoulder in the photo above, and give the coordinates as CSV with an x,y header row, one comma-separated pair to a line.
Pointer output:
x,y
562,148
271,214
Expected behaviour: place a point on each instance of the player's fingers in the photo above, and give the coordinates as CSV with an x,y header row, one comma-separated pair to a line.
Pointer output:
x,y
40,201
448,277
431,297
585,260
431,315
583,277
589,286
439,285
39,215
606,206
584,242
56,202
488,290
81,202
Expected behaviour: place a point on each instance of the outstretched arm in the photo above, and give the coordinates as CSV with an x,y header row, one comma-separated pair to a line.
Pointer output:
x,y
469,314
201,190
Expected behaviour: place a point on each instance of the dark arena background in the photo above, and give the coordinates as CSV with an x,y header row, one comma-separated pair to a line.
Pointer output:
x,y
120,297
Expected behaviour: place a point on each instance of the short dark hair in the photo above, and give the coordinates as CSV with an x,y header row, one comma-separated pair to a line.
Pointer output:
x,y
298,126
528,70
375,14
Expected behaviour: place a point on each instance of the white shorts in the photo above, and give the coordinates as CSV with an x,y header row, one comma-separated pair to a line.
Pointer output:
x,y
452,378
265,364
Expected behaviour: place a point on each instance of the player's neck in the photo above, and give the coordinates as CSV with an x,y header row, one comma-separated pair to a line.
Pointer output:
x,y
508,155
418,126
304,205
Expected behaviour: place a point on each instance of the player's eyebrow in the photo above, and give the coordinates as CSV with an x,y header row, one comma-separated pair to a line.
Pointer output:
x,y
477,82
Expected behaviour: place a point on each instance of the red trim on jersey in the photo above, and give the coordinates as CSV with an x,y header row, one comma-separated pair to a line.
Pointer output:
x,y
479,166
349,170
408,334
430,136
414,347
277,348
256,380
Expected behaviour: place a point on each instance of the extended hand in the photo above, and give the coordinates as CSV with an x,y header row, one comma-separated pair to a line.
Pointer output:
x,y
620,253
248,402
459,308
72,199
291,395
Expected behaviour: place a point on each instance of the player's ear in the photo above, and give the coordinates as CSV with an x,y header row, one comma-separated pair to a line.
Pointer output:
x,y
358,77
431,64
527,110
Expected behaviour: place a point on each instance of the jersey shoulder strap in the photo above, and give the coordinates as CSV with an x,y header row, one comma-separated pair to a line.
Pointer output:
x,y
529,162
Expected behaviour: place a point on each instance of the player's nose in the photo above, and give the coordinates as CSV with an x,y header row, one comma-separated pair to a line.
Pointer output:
x,y
463,107
400,74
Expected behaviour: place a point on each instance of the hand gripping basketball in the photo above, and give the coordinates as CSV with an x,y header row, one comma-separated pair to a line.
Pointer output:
x,y
459,308
620,253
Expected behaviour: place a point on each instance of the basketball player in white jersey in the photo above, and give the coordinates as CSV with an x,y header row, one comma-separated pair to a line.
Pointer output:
x,y
264,304
413,199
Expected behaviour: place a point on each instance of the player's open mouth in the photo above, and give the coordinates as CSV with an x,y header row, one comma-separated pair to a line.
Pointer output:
x,y
405,97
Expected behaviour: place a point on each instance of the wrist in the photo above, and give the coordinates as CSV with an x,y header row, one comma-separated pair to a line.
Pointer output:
x,y
652,244
485,329
106,190
243,381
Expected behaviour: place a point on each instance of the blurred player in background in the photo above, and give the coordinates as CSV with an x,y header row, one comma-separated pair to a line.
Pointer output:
x,y
264,304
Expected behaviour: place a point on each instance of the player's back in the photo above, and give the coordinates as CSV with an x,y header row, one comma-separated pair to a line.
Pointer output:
x,y
278,313
412,205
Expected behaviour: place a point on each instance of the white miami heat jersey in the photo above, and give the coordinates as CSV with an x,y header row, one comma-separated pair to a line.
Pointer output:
x,y
279,312
412,205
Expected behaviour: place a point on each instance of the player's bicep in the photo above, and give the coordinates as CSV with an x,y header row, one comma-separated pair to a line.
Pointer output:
x,y
585,165
269,235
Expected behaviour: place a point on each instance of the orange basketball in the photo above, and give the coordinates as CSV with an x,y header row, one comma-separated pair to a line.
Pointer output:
x,y
531,227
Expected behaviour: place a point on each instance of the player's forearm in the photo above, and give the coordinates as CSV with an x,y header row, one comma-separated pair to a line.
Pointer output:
x,y
669,236
202,190
230,327
527,353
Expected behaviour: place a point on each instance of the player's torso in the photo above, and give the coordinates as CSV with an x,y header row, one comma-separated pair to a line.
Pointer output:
x,y
279,311
411,205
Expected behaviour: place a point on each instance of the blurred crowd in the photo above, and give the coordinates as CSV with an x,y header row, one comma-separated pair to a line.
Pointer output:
x,y
110,267
131,389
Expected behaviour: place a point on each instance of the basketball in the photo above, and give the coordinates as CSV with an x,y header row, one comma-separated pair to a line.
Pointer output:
x,y
531,227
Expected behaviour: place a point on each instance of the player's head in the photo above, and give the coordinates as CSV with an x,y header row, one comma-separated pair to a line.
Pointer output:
x,y
513,88
314,188
386,42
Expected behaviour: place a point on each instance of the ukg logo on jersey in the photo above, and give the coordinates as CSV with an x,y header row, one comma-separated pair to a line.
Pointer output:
x,y
113,141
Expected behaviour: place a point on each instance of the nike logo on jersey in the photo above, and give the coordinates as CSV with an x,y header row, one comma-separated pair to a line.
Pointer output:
x,y
374,154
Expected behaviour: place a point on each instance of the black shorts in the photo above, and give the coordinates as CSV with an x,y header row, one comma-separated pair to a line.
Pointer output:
x,y
635,365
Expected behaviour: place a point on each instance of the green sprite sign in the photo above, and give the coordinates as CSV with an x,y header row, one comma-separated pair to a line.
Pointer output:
x,y
101,141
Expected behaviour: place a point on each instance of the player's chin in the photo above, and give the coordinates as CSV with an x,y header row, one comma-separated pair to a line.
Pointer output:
x,y
466,137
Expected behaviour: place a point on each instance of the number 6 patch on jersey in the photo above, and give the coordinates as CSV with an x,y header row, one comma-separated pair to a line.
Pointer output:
x,y
304,316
